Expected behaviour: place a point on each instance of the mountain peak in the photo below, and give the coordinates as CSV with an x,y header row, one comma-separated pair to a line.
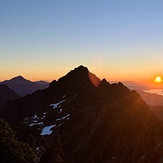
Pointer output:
x,y
19,77
81,68
80,74
75,74
23,86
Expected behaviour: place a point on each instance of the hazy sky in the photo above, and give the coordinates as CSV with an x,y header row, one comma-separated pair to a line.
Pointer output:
x,y
115,39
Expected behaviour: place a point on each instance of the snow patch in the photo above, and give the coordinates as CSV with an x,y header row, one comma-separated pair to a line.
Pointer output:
x,y
43,117
47,130
56,104
75,95
58,119
35,121
35,124
35,116
60,124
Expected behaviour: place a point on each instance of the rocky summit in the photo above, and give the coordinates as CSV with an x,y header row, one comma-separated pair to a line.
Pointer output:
x,y
98,122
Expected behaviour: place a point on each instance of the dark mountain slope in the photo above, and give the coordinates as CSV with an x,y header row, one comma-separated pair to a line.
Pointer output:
x,y
152,98
6,94
154,101
23,86
98,121
118,128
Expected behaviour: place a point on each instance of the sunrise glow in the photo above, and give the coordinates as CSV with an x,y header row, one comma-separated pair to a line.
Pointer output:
x,y
158,79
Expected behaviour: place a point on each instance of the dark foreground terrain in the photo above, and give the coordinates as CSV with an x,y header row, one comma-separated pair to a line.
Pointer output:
x,y
81,119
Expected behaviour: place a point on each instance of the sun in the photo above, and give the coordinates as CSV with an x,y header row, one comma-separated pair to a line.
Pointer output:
x,y
158,79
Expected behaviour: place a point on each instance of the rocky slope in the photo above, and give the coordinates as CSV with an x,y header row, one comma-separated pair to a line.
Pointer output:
x,y
98,121
6,94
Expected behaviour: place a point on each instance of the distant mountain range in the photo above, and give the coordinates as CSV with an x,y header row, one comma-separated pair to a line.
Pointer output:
x,y
142,85
136,85
97,121
23,86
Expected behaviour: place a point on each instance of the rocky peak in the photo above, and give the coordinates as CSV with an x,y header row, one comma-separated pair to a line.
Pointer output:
x,y
19,79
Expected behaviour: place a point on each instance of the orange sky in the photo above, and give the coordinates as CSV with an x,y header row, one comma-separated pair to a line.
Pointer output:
x,y
116,40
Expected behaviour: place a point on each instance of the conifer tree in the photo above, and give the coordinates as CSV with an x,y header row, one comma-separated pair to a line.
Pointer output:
x,y
31,141
12,150
57,155
54,153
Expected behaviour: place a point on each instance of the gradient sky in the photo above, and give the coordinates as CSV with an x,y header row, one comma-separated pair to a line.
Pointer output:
x,y
117,40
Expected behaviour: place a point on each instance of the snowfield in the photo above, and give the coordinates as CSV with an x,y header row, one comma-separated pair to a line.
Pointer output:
x,y
47,130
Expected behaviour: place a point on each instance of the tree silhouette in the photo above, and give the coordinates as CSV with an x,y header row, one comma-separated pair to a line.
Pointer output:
x,y
57,154
12,150
54,153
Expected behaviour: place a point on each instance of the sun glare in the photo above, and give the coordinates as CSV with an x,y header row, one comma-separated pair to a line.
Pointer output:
x,y
158,79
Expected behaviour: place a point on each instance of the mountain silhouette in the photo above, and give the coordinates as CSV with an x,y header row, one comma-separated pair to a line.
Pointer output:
x,y
6,94
98,121
154,101
23,86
